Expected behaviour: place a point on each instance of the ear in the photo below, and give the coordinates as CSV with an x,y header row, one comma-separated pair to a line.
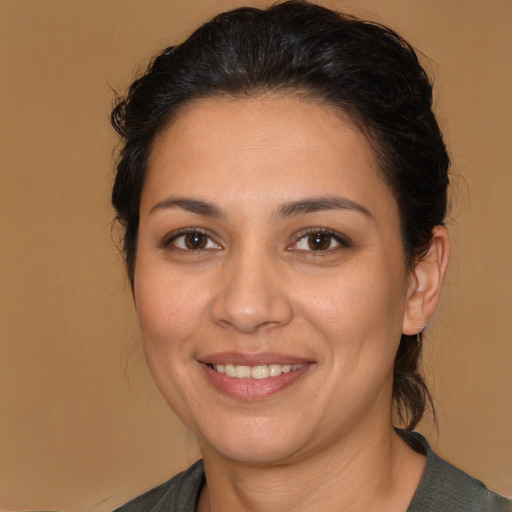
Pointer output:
x,y
426,281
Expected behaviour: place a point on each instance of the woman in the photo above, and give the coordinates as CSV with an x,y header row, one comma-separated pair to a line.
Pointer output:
x,y
283,187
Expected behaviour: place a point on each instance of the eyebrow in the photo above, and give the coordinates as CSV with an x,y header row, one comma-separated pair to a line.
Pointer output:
x,y
319,204
192,205
290,209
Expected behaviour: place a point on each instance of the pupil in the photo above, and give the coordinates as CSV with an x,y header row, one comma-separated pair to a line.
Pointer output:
x,y
195,241
319,241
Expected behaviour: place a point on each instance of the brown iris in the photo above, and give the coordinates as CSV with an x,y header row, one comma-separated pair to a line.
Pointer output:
x,y
195,241
319,241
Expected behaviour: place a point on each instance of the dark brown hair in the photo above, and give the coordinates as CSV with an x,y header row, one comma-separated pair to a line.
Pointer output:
x,y
364,69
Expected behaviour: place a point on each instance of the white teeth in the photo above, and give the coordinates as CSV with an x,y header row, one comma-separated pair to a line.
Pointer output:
x,y
260,372
229,370
255,372
275,370
243,372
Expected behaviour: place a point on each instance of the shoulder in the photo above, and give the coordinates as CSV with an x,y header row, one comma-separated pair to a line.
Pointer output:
x,y
179,494
444,488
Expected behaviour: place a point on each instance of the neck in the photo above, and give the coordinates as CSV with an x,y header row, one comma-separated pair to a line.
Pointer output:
x,y
374,470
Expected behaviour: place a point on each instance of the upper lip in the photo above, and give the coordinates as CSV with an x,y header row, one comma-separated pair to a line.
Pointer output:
x,y
241,359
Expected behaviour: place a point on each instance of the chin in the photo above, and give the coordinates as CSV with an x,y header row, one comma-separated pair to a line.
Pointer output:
x,y
257,443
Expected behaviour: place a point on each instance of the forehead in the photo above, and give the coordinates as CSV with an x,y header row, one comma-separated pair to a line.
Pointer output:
x,y
265,147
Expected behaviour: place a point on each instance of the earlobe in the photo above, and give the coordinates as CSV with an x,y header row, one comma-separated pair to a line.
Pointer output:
x,y
426,283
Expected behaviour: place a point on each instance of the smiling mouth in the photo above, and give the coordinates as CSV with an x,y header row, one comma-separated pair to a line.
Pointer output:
x,y
258,372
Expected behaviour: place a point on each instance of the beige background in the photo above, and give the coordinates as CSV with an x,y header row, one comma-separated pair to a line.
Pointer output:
x,y
81,425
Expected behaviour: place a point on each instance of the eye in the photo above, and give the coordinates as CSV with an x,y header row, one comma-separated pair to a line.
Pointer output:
x,y
193,241
319,241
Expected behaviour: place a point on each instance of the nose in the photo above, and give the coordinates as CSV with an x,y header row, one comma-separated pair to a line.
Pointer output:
x,y
252,295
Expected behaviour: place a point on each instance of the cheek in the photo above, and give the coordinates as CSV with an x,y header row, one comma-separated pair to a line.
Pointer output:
x,y
169,313
169,307
360,300
359,313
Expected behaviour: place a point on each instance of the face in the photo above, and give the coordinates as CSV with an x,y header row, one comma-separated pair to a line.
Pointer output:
x,y
270,279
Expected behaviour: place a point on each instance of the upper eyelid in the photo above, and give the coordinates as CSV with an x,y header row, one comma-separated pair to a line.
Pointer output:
x,y
342,242
170,237
326,231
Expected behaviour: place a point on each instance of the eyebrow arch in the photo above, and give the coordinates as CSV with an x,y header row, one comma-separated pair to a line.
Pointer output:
x,y
318,204
192,205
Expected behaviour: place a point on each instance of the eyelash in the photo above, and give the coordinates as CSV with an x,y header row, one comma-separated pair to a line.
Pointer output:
x,y
170,241
340,239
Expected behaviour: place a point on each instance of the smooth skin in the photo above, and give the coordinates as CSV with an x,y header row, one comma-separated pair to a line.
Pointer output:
x,y
266,227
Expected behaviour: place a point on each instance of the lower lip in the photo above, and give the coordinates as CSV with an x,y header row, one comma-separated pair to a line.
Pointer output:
x,y
253,389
